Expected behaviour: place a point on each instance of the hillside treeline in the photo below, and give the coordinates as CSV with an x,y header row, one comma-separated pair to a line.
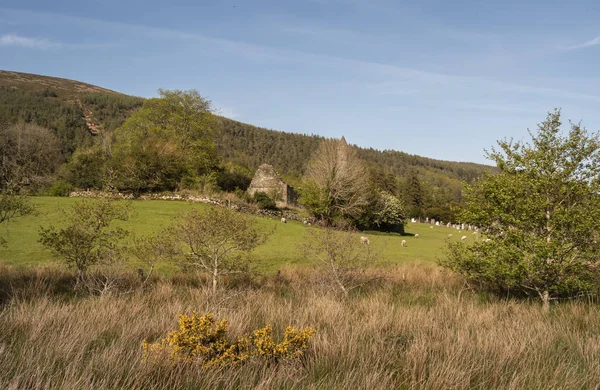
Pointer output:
x,y
230,151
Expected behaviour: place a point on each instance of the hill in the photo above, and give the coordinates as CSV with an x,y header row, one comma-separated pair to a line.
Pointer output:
x,y
78,113
74,111
62,87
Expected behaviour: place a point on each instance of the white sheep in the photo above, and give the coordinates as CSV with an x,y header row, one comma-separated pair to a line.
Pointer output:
x,y
463,238
404,243
417,235
283,220
364,240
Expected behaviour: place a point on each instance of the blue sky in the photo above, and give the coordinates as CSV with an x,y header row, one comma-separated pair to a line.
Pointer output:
x,y
435,78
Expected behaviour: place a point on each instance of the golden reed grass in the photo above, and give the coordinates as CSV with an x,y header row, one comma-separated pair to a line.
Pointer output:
x,y
413,327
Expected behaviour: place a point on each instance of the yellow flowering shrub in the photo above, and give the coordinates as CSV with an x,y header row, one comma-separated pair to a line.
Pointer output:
x,y
202,340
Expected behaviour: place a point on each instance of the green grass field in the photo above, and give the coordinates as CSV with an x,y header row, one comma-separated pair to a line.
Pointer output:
x,y
281,250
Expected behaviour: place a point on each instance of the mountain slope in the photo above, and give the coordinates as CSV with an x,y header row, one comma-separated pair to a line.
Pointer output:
x,y
64,88
77,112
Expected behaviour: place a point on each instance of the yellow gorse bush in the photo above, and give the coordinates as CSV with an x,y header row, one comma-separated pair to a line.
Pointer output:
x,y
202,340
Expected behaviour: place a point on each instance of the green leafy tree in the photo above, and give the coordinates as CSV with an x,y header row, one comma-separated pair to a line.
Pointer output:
x,y
86,168
540,214
13,205
169,138
89,237
389,213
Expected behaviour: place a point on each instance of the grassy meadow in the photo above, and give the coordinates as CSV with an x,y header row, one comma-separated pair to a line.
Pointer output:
x,y
416,328
410,324
281,250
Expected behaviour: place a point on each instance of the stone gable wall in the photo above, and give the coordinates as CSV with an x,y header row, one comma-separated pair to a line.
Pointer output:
x,y
268,181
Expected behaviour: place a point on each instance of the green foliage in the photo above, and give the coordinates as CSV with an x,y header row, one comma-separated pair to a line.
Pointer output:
x,y
264,201
88,239
147,166
203,341
59,105
60,188
230,177
540,214
13,205
111,109
314,198
65,120
389,213
86,168
168,139
152,216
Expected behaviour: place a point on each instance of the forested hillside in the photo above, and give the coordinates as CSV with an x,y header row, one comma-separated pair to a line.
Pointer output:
x,y
80,115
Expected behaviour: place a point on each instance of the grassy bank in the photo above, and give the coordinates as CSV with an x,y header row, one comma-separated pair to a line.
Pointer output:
x,y
414,328
281,250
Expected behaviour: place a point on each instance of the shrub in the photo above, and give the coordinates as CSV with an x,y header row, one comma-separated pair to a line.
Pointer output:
x,y
201,340
60,188
264,202
86,168
88,237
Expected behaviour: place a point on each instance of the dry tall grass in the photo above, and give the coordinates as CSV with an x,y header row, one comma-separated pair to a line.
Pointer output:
x,y
413,328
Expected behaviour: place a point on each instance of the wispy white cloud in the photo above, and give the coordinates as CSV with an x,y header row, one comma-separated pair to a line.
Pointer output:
x,y
31,43
590,43
15,40
384,78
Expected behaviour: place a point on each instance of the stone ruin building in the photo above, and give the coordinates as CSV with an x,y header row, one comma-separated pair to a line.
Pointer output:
x,y
268,181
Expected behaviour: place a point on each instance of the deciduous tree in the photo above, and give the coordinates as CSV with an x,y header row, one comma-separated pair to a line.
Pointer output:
x,y
336,182
29,154
540,214
169,138
89,237
218,241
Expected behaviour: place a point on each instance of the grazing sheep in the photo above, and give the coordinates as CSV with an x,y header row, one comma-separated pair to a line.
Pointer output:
x,y
309,224
450,235
463,238
364,240
404,243
305,222
283,220
417,235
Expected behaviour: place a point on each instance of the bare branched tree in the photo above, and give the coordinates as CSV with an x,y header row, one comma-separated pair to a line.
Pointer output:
x,y
29,154
336,182
341,254
219,241
164,246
